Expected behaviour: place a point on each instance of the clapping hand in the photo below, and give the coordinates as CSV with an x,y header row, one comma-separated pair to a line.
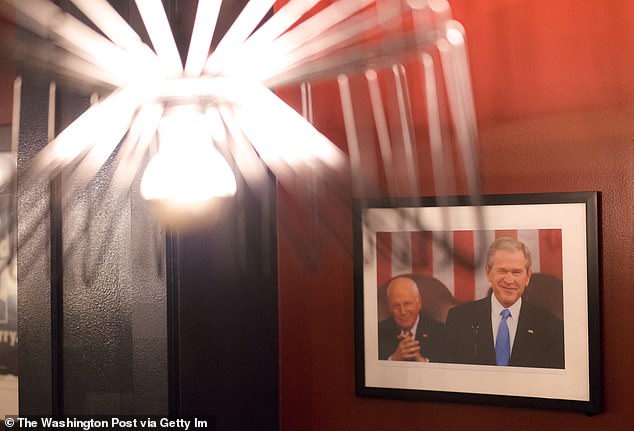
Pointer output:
x,y
408,349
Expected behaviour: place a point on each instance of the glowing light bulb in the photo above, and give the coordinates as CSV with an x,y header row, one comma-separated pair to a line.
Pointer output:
x,y
187,176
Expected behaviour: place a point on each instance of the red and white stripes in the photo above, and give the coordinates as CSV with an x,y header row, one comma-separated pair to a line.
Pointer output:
x,y
451,256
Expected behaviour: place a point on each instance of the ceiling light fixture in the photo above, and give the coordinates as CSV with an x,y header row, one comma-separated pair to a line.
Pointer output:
x,y
225,96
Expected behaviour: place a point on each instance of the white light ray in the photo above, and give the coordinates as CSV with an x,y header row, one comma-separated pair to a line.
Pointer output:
x,y
15,115
49,21
405,121
158,28
50,124
247,160
264,115
79,137
36,15
243,26
247,156
455,68
435,128
204,27
319,23
217,128
259,43
312,38
108,136
82,40
110,22
352,137
136,144
64,65
281,21
85,71
116,28
307,101
382,130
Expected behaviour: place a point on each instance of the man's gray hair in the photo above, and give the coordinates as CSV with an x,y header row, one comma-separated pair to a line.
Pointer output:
x,y
508,244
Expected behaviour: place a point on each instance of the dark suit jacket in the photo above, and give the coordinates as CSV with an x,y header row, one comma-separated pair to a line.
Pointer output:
x,y
539,340
430,334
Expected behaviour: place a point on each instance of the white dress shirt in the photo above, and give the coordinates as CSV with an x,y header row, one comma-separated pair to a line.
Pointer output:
x,y
413,328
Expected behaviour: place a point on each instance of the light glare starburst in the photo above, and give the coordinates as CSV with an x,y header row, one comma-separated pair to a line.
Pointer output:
x,y
233,86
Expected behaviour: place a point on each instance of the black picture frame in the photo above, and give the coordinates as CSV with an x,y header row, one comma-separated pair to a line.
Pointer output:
x,y
572,218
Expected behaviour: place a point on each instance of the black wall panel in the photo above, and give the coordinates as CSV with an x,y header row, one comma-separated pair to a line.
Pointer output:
x,y
228,322
92,295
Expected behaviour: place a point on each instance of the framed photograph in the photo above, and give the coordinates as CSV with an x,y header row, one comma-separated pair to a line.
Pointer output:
x,y
490,303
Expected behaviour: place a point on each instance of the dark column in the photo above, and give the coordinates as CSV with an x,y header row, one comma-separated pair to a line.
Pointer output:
x,y
226,301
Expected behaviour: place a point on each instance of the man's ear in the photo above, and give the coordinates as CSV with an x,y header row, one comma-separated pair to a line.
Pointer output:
x,y
487,271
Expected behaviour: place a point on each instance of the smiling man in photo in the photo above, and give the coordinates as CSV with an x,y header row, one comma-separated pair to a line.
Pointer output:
x,y
407,335
504,328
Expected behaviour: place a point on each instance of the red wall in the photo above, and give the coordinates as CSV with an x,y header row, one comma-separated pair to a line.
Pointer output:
x,y
6,77
6,89
6,97
554,92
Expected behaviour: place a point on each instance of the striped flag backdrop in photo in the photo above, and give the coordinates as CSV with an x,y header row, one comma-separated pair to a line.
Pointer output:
x,y
422,252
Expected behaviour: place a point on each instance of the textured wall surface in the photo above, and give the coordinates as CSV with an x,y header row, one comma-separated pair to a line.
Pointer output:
x,y
108,325
34,285
92,319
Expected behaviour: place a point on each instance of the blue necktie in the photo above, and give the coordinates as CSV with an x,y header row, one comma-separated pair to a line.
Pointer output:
x,y
503,341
